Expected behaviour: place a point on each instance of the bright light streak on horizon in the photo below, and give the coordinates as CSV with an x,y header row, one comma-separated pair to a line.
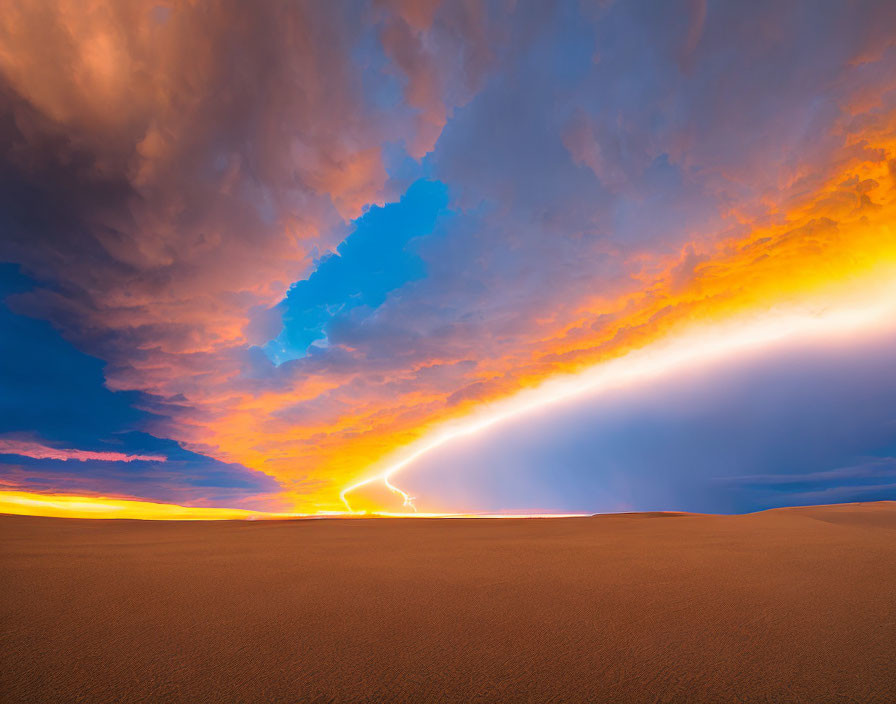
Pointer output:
x,y
872,306
73,506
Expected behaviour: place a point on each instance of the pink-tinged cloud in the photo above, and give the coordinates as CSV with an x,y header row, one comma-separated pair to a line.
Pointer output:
x,y
28,448
441,54
607,167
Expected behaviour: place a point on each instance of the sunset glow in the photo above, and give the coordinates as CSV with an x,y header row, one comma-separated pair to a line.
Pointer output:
x,y
274,291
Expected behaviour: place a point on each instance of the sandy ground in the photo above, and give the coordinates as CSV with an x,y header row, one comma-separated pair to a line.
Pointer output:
x,y
788,605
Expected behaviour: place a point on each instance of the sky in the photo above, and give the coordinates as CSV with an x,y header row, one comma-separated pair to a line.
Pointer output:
x,y
446,257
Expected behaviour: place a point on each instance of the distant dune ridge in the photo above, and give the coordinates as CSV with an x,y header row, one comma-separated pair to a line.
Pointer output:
x,y
785,605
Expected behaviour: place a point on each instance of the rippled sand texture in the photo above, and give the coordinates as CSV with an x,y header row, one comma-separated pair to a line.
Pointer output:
x,y
787,605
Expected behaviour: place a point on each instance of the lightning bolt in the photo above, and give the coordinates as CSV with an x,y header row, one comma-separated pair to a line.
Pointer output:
x,y
875,305
406,500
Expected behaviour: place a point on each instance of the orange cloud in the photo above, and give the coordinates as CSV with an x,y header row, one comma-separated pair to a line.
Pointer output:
x,y
837,237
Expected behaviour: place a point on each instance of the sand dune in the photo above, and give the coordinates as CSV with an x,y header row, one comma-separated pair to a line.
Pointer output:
x,y
787,605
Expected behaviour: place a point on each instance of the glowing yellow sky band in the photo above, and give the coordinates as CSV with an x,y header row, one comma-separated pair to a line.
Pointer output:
x,y
70,506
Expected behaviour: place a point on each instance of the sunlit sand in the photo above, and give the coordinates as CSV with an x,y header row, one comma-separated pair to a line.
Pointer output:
x,y
785,605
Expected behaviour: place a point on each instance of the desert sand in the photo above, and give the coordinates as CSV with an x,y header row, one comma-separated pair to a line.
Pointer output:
x,y
786,605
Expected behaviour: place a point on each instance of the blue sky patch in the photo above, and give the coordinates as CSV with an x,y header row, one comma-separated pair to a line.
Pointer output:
x,y
376,258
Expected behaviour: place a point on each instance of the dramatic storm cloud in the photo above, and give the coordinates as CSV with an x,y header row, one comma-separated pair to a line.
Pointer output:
x,y
257,253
